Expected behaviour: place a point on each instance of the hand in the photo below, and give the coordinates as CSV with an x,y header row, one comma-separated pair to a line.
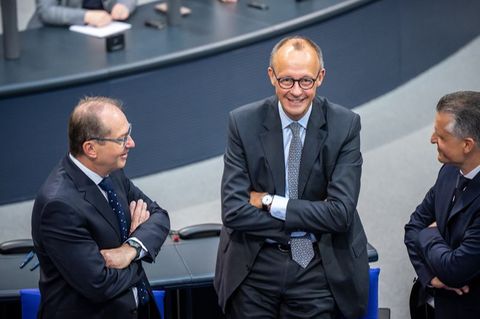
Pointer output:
x,y
119,258
434,224
97,18
120,12
437,283
256,199
138,213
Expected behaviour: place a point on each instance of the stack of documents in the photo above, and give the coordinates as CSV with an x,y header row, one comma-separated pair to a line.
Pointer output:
x,y
102,32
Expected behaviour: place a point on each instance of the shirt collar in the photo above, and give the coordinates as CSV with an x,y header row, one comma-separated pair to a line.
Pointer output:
x,y
472,173
286,121
91,174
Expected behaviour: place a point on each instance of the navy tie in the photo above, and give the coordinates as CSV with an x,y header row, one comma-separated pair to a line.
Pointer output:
x,y
461,185
302,249
114,202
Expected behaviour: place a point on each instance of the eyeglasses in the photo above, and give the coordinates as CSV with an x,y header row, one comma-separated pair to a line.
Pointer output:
x,y
288,82
120,141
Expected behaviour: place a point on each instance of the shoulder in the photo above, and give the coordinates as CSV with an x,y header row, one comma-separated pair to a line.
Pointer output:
x,y
254,109
335,112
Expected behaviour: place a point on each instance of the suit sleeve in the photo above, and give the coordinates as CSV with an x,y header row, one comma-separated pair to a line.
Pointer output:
x,y
68,242
422,217
454,266
153,232
335,214
237,213
51,13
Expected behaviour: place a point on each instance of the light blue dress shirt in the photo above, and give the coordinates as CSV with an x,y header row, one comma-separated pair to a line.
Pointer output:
x,y
278,209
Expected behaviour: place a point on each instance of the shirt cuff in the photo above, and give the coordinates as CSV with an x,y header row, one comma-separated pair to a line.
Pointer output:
x,y
144,250
278,209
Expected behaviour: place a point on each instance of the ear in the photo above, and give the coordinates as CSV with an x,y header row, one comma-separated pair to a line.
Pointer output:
x,y
321,76
89,149
271,76
469,145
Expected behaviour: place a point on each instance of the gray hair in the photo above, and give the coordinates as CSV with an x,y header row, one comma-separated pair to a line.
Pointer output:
x,y
464,106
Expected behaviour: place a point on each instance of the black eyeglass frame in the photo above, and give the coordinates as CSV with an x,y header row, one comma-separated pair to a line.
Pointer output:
x,y
279,80
122,141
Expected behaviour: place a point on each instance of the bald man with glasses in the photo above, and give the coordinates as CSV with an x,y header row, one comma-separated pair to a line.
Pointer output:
x,y
292,244
92,227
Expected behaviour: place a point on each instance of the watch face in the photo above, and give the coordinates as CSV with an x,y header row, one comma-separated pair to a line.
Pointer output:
x,y
267,200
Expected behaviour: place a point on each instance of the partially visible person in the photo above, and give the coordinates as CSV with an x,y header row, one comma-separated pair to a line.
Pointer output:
x,y
92,227
443,234
97,13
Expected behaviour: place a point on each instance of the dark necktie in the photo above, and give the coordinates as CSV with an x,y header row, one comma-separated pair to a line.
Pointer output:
x,y
302,249
461,185
107,185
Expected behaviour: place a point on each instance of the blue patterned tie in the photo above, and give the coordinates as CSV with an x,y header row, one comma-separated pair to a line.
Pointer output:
x,y
107,185
302,249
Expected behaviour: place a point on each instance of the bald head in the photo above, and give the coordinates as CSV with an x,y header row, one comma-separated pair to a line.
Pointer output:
x,y
296,43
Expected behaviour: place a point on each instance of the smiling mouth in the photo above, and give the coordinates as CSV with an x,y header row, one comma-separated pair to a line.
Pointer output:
x,y
296,100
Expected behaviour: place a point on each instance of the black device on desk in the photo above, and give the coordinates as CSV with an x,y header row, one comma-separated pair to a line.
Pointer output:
x,y
155,23
115,42
258,5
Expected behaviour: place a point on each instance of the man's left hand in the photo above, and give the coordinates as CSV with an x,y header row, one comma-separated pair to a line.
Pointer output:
x,y
138,213
119,258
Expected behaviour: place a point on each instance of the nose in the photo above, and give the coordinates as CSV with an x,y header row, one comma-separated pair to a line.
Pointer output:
x,y
296,89
130,142
433,138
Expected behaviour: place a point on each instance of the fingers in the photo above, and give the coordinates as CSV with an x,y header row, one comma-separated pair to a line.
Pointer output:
x,y
97,18
460,291
120,12
138,213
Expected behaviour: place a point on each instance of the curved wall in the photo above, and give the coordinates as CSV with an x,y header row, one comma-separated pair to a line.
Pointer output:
x,y
179,110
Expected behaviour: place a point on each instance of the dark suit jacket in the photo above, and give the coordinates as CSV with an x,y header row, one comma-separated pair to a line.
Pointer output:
x,y
450,251
329,183
71,223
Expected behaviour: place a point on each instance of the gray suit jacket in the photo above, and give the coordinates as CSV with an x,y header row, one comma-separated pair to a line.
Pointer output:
x,y
329,184
68,12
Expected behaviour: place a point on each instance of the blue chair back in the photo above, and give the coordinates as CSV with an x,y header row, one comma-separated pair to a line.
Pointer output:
x,y
159,296
372,312
30,300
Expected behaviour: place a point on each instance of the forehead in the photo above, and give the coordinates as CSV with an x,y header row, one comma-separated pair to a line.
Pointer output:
x,y
444,123
288,56
113,118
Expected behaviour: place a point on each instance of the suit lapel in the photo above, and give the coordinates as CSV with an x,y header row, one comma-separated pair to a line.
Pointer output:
x,y
314,140
272,143
471,193
92,194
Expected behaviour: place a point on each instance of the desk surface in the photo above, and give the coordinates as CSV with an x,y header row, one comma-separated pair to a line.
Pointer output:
x,y
55,57
187,263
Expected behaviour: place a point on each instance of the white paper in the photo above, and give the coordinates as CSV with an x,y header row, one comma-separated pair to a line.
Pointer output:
x,y
102,32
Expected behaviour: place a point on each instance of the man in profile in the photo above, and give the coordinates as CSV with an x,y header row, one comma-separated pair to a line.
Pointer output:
x,y
92,227
443,234
292,244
